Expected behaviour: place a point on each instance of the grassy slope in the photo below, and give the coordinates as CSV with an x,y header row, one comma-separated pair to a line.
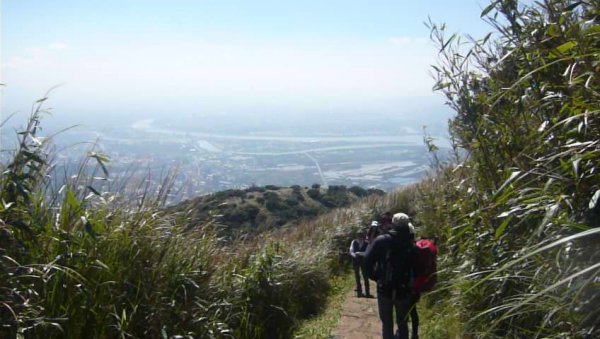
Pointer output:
x,y
518,219
79,262
258,209
321,326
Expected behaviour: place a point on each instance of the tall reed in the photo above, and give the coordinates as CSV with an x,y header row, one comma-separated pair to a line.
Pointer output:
x,y
518,213
86,255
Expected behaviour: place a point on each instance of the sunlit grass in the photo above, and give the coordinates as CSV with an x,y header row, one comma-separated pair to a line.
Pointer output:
x,y
80,259
516,211
322,326
517,215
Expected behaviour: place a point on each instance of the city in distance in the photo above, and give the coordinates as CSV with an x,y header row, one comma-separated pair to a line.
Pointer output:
x,y
214,153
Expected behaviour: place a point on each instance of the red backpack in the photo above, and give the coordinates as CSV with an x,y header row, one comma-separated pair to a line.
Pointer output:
x,y
426,276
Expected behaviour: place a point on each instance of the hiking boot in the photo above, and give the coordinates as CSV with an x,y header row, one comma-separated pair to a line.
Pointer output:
x,y
359,294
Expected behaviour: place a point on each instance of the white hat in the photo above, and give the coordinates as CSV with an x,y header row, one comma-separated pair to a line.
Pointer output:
x,y
400,219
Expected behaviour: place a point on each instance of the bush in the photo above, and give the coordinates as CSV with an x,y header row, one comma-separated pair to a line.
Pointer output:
x,y
271,196
244,214
358,191
307,211
256,189
291,202
335,189
274,205
233,193
375,191
336,200
314,194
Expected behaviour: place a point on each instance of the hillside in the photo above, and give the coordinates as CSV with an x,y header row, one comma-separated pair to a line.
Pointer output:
x,y
517,214
111,265
262,208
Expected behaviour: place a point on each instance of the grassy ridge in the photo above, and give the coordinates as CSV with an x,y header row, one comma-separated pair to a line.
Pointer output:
x,y
257,209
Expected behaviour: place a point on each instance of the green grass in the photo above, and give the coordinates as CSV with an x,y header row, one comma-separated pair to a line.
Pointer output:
x,y
87,257
322,325
440,318
517,213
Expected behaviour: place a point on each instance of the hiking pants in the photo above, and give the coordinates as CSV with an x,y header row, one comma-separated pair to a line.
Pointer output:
x,y
359,268
386,310
414,316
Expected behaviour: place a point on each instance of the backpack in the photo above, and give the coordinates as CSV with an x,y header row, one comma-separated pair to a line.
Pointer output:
x,y
397,269
426,272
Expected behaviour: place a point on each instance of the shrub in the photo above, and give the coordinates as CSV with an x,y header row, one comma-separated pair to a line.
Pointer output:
x,y
335,189
233,193
274,205
245,214
291,202
271,196
314,194
358,191
375,191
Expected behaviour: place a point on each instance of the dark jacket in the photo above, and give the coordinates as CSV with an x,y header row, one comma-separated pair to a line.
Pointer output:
x,y
356,246
405,260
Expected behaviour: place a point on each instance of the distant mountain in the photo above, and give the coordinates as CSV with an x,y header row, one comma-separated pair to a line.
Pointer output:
x,y
260,208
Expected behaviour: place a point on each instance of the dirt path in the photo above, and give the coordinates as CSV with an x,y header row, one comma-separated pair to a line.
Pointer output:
x,y
360,319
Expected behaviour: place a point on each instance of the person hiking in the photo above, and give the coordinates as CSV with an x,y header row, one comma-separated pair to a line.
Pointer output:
x,y
357,250
391,261
385,222
415,296
372,233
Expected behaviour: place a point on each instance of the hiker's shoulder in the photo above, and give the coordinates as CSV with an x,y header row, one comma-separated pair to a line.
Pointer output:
x,y
383,238
380,242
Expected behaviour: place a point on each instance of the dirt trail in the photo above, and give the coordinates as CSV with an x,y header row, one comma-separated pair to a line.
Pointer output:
x,y
360,319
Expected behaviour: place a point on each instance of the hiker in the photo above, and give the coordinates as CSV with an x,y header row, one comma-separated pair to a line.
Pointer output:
x,y
357,250
391,261
373,231
415,296
385,222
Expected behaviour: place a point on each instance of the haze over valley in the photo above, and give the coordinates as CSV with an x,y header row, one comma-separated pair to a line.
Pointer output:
x,y
212,153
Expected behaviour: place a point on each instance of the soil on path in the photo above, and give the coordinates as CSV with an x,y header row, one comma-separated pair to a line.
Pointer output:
x,y
360,319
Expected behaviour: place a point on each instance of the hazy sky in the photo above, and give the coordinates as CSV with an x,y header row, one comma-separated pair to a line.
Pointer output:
x,y
224,56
